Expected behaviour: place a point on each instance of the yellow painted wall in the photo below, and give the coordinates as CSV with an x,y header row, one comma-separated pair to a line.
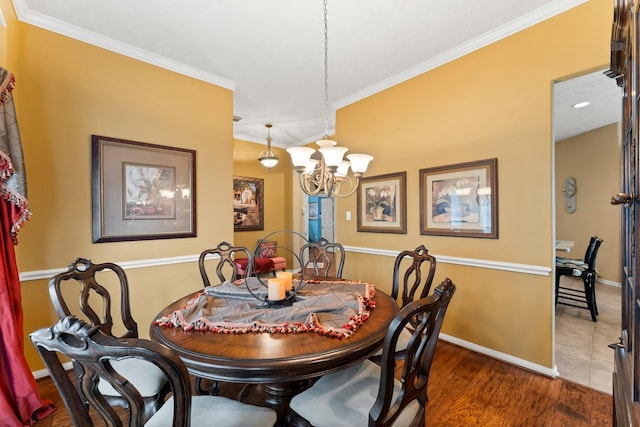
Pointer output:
x,y
593,159
495,102
9,37
67,91
277,195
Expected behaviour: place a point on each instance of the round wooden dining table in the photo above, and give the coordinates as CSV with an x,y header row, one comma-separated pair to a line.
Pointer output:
x,y
279,362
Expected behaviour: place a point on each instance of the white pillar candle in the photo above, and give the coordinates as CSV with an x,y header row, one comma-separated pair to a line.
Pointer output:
x,y
276,290
286,277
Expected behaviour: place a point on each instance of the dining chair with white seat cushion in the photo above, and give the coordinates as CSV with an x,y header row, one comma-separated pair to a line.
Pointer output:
x,y
83,291
369,394
95,352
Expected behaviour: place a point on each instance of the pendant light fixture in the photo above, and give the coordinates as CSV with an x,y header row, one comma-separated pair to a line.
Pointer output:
x,y
268,157
325,171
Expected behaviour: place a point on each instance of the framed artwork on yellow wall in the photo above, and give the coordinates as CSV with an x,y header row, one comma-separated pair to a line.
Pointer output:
x,y
460,200
141,191
248,203
382,203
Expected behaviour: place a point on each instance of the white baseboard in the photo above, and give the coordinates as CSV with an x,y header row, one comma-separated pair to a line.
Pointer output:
x,y
45,373
549,372
608,282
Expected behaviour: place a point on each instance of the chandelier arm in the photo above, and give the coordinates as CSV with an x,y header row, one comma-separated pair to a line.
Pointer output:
x,y
354,187
303,180
329,185
328,180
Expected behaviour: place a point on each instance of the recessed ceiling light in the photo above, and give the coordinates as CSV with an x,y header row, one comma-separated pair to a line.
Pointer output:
x,y
581,104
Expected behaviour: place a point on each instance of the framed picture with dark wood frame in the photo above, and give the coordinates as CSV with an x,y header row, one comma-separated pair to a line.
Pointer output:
x,y
382,203
248,204
141,191
460,200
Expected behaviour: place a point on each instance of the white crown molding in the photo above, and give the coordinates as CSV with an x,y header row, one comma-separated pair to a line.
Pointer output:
x,y
39,20
509,29
55,25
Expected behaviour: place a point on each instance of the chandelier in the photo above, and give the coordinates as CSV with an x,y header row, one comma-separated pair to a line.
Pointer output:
x,y
268,157
325,171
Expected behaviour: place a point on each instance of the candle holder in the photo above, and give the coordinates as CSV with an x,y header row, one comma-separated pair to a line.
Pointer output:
x,y
290,289
286,302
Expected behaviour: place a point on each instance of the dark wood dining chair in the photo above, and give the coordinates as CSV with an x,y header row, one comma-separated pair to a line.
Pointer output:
x,y
322,258
226,254
369,394
586,271
98,355
413,273
95,304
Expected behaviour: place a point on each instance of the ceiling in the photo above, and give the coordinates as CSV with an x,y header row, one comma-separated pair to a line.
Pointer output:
x,y
605,104
271,53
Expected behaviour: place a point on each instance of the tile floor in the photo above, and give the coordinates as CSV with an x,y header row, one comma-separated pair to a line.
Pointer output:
x,y
582,352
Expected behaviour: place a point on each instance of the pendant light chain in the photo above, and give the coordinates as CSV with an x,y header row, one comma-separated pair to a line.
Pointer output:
x,y
326,73
326,170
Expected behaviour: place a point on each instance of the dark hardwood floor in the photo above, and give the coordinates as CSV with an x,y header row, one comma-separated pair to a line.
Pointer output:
x,y
470,389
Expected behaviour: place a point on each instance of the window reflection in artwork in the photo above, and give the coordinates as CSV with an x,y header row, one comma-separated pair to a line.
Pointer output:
x,y
456,200
149,191
460,199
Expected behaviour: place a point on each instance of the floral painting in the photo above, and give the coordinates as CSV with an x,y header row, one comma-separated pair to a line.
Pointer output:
x,y
382,203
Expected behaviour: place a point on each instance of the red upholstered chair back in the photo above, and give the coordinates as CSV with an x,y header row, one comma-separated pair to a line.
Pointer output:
x,y
269,249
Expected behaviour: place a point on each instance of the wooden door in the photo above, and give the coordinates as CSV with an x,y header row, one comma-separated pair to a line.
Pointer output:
x,y
625,69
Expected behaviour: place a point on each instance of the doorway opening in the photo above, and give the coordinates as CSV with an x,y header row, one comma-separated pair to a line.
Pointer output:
x,y
320,218
587,154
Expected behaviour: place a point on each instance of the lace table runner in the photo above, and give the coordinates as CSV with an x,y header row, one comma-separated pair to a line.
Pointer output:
x,y
331,308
